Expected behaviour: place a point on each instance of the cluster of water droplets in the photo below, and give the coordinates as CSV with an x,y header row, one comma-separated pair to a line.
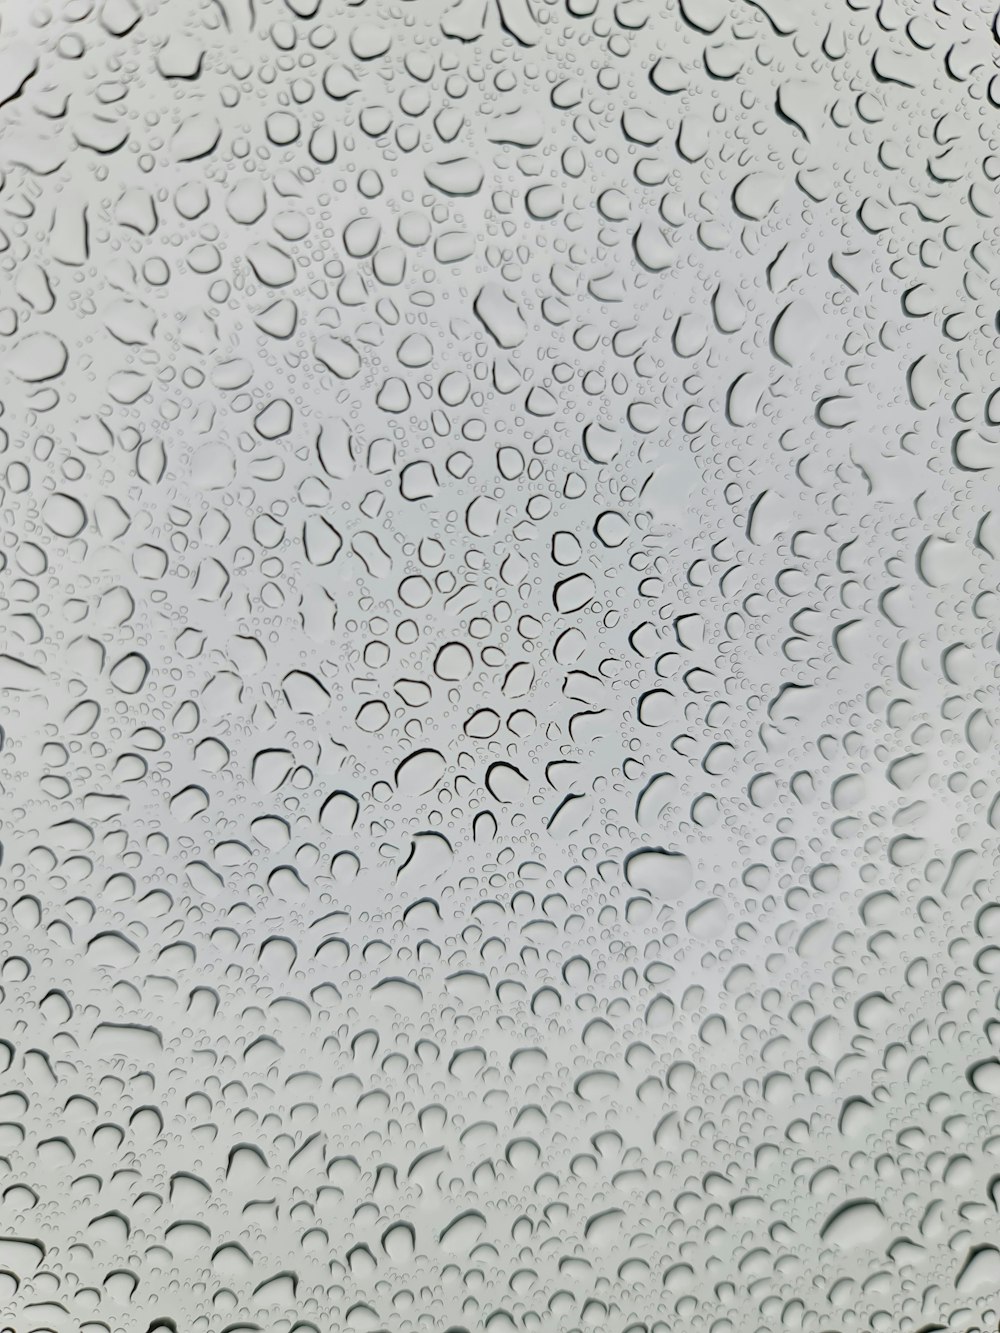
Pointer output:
x,y
498,572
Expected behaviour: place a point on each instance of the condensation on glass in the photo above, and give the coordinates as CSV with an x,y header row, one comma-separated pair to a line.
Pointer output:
x,y
498,673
